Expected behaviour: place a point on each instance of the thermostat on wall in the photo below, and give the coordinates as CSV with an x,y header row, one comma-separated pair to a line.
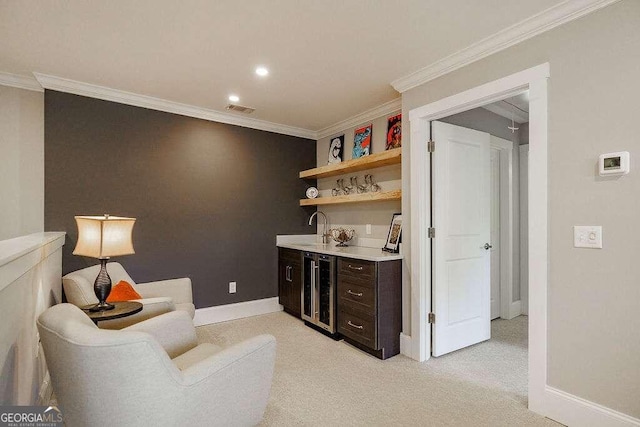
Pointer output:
x,y
614,163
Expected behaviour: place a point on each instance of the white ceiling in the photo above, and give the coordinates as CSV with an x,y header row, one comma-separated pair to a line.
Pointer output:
x,y
329,59
516,108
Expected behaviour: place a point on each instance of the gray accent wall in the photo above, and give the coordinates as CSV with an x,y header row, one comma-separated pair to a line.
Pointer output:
x,y
592,340
209,197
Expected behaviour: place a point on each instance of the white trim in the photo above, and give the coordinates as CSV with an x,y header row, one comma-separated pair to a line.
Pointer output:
x,y
420,254
538,211
515,309
524,272
405,344
366,116
21,254
535,80
224,313
21,82
100,92
528,28
489,92
507,214
574,411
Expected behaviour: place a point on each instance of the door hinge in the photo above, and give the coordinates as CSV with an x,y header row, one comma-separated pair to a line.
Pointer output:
x,y
431,146
431,232
432,318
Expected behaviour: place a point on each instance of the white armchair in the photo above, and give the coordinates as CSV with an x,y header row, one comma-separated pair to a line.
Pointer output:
x,y
157,297
153,373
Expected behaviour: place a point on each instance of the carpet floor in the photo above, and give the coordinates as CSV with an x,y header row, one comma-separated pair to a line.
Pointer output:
x,y
321,382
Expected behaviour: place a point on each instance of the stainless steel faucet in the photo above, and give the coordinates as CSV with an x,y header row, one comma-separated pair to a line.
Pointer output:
x,y
324,230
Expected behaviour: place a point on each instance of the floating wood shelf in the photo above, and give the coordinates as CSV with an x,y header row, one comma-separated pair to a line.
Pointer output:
x,y
386,158
354,198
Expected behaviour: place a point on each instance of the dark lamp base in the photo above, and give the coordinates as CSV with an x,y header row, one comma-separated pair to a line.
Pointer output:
x,y
102,288
102,307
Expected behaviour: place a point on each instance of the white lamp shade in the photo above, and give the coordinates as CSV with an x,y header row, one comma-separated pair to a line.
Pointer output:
x,y
104,236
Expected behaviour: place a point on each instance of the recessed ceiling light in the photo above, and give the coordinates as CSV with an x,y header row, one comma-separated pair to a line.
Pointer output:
x,y
262,71
234,98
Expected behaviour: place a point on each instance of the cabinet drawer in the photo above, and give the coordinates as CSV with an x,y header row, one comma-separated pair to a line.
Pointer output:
x,y
290,256
360,328
358,297
358,271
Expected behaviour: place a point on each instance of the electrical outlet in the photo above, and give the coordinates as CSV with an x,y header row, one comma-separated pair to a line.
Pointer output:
x,y
368,228
232,287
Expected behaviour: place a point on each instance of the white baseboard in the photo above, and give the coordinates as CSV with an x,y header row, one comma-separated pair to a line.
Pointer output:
x,y
575,411
224,313
405,344
515,309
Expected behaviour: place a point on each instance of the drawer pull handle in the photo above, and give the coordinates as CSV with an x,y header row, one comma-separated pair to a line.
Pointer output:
x,y
355,294
353,325
355,268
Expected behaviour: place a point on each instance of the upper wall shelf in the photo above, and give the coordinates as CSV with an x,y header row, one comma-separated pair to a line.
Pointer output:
x,y
386,158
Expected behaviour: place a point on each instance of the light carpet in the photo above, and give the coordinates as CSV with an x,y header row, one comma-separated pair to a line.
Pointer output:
x,y
321,382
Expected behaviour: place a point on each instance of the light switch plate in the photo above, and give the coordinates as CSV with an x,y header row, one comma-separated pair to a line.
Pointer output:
x,y
232,287
587,236
368,228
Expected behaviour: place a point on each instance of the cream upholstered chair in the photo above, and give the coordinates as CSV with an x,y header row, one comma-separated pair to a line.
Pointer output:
x,y
157,297
153,373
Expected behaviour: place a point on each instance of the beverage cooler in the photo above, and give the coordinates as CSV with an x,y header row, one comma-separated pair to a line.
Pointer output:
x,y
319,291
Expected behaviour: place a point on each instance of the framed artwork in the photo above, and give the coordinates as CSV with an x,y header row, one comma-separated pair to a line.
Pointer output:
x,y
336,150
362,142
395,234
394,132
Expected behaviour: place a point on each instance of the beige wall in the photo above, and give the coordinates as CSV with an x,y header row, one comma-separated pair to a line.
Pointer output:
x,y
593,320
357,215
21,162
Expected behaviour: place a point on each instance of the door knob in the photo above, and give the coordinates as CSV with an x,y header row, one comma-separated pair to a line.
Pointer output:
x,y
487,246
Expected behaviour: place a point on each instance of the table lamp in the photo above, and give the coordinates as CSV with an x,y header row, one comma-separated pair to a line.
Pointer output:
x,y
103,237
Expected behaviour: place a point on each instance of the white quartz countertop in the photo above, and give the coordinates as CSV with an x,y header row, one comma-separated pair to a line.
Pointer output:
x,y
308,243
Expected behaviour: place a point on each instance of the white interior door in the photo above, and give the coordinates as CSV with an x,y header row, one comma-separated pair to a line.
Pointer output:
x,y
461,217
495,234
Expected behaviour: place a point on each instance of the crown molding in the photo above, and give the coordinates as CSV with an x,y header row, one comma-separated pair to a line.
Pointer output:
x,y
386,108
108,94
510,36
22,82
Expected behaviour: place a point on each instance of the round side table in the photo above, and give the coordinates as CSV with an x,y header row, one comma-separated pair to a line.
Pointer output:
x,y
122,309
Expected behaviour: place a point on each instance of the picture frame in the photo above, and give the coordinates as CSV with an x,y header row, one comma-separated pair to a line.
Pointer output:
x,y
395,234
362,141
336,150
394,132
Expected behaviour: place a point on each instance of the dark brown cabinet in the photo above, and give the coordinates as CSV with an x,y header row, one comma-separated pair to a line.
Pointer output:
x,y
370,305
290,280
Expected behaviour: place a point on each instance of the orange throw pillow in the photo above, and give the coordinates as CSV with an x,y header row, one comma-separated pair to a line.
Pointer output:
x,y
123,291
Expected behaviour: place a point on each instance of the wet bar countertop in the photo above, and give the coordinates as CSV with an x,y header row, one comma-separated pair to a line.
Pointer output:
x,y
308,243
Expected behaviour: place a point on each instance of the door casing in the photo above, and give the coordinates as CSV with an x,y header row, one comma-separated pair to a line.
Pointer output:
x,y
416,345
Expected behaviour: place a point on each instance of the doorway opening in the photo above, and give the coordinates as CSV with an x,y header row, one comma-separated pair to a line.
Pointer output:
x,y
476,248
419,345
